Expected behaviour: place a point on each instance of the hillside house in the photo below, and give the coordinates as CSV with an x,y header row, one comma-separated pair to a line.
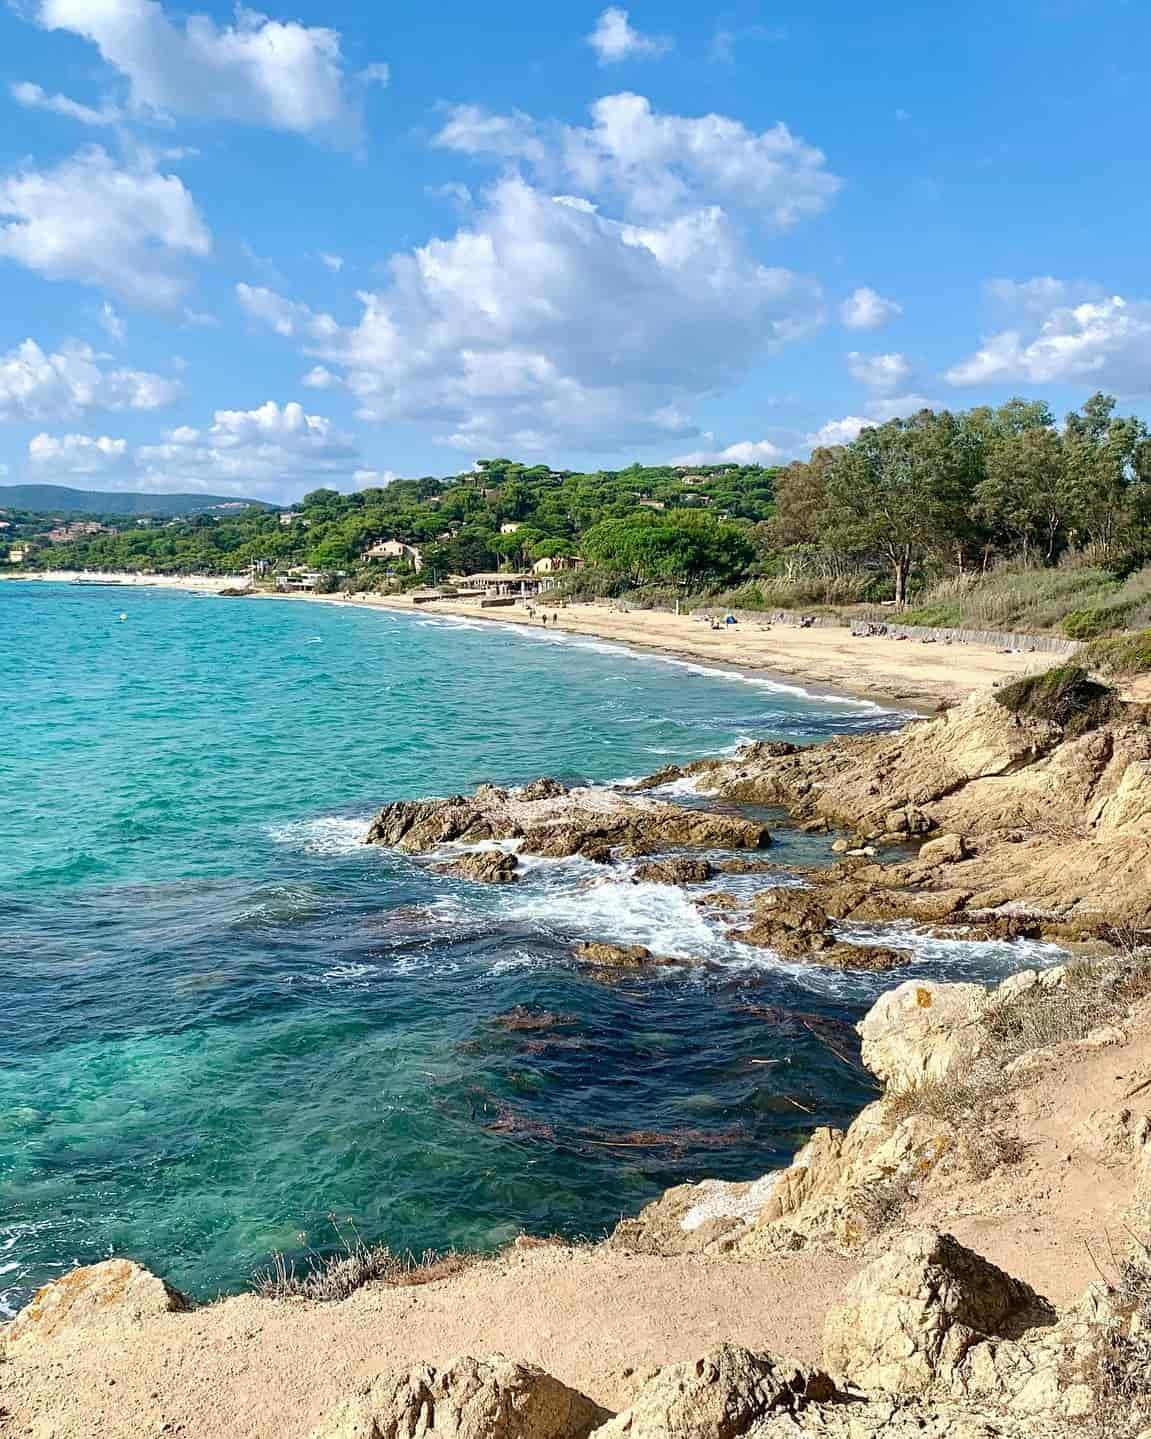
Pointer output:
x,y
397,552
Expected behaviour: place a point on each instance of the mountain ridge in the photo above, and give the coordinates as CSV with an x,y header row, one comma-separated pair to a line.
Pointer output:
x,y
41,499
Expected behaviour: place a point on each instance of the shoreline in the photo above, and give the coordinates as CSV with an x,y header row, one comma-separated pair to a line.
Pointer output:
x,y
825,662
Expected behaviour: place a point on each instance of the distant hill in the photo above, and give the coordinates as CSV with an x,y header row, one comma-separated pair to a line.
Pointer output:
x,y
60,499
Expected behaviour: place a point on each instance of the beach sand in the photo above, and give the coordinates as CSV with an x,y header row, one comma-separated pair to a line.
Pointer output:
x,y
826,657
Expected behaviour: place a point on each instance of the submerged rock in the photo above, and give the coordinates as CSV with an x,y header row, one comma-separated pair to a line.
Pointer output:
x,y
618,956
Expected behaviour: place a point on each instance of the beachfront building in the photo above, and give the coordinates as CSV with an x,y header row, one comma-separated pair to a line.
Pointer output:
x,y
302,579
492,587
397,552
17,555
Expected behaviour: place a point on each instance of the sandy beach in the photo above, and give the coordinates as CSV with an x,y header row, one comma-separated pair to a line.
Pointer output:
x,y
827,657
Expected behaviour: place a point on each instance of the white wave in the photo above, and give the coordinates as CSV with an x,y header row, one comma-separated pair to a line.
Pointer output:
x,y
328,834
659,916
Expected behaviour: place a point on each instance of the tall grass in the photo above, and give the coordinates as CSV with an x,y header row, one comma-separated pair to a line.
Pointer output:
x,y
1075,596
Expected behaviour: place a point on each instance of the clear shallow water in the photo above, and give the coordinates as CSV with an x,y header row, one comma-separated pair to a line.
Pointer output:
x,y
223,1019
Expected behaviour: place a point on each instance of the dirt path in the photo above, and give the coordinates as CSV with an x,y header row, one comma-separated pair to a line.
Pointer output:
x,y
251,1369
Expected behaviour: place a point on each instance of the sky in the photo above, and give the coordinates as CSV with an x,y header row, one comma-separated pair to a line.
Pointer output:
x,y
255,253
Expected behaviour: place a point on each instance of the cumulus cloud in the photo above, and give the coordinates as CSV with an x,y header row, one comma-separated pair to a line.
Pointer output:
x,y
843,431
866,309
76,454
373,479
656,164
110,322
279,74
546,322
879,372
615,38
743,452
1064,338
70,382
32,97
273,450
93,220
285,317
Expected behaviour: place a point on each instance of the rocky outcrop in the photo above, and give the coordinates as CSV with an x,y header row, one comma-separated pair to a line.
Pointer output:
x,y
723,1395
618,956
557,823
1020,812
93,1297
673,871
469,1399
794,923
487,866
907,1323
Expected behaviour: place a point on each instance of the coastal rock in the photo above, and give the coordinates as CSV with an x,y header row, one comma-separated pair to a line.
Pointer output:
x,y
790,921
618,956
469,1399
721,1396
947,849
90,1297
906,1323
1044,819
674,871
488,866
923,1031
589,822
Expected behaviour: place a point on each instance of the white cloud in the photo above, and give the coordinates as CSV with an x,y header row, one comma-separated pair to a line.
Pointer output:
x,y
1042,294
657,164
879,372
320,378
110,322
615,38
373,479
1065,339
92,220
334,263
842,432
76,454
272,451
280,74
744,452
32,97
68,383
285,317
865,309
548,323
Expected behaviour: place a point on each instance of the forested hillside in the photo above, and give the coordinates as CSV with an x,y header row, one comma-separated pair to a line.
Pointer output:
x,y
997,516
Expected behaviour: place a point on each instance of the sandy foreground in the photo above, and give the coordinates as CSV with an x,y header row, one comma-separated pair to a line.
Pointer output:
x,y
827,657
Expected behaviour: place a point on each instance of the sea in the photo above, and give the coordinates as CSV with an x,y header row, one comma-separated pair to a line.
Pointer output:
x,y
230,1029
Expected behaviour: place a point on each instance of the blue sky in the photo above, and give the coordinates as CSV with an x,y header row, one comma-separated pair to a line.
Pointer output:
x,y
253,253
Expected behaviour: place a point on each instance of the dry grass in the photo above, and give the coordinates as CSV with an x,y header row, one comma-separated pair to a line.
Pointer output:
x,y
329,1277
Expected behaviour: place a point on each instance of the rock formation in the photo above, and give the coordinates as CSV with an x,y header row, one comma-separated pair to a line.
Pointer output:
x,y
557,823
1041,815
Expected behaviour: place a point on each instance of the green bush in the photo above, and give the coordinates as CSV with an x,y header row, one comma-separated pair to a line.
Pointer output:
x,y
1066,695
1121,655
1091,623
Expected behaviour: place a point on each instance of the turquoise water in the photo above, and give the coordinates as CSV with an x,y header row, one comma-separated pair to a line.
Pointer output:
x,y
225,1019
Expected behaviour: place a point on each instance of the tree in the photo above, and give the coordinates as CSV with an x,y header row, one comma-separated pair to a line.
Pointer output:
x,y
683,545
900,491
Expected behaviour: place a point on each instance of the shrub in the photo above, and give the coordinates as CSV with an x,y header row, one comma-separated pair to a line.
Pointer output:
x,y
1122,655
1090,624
1066,695
336,1275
